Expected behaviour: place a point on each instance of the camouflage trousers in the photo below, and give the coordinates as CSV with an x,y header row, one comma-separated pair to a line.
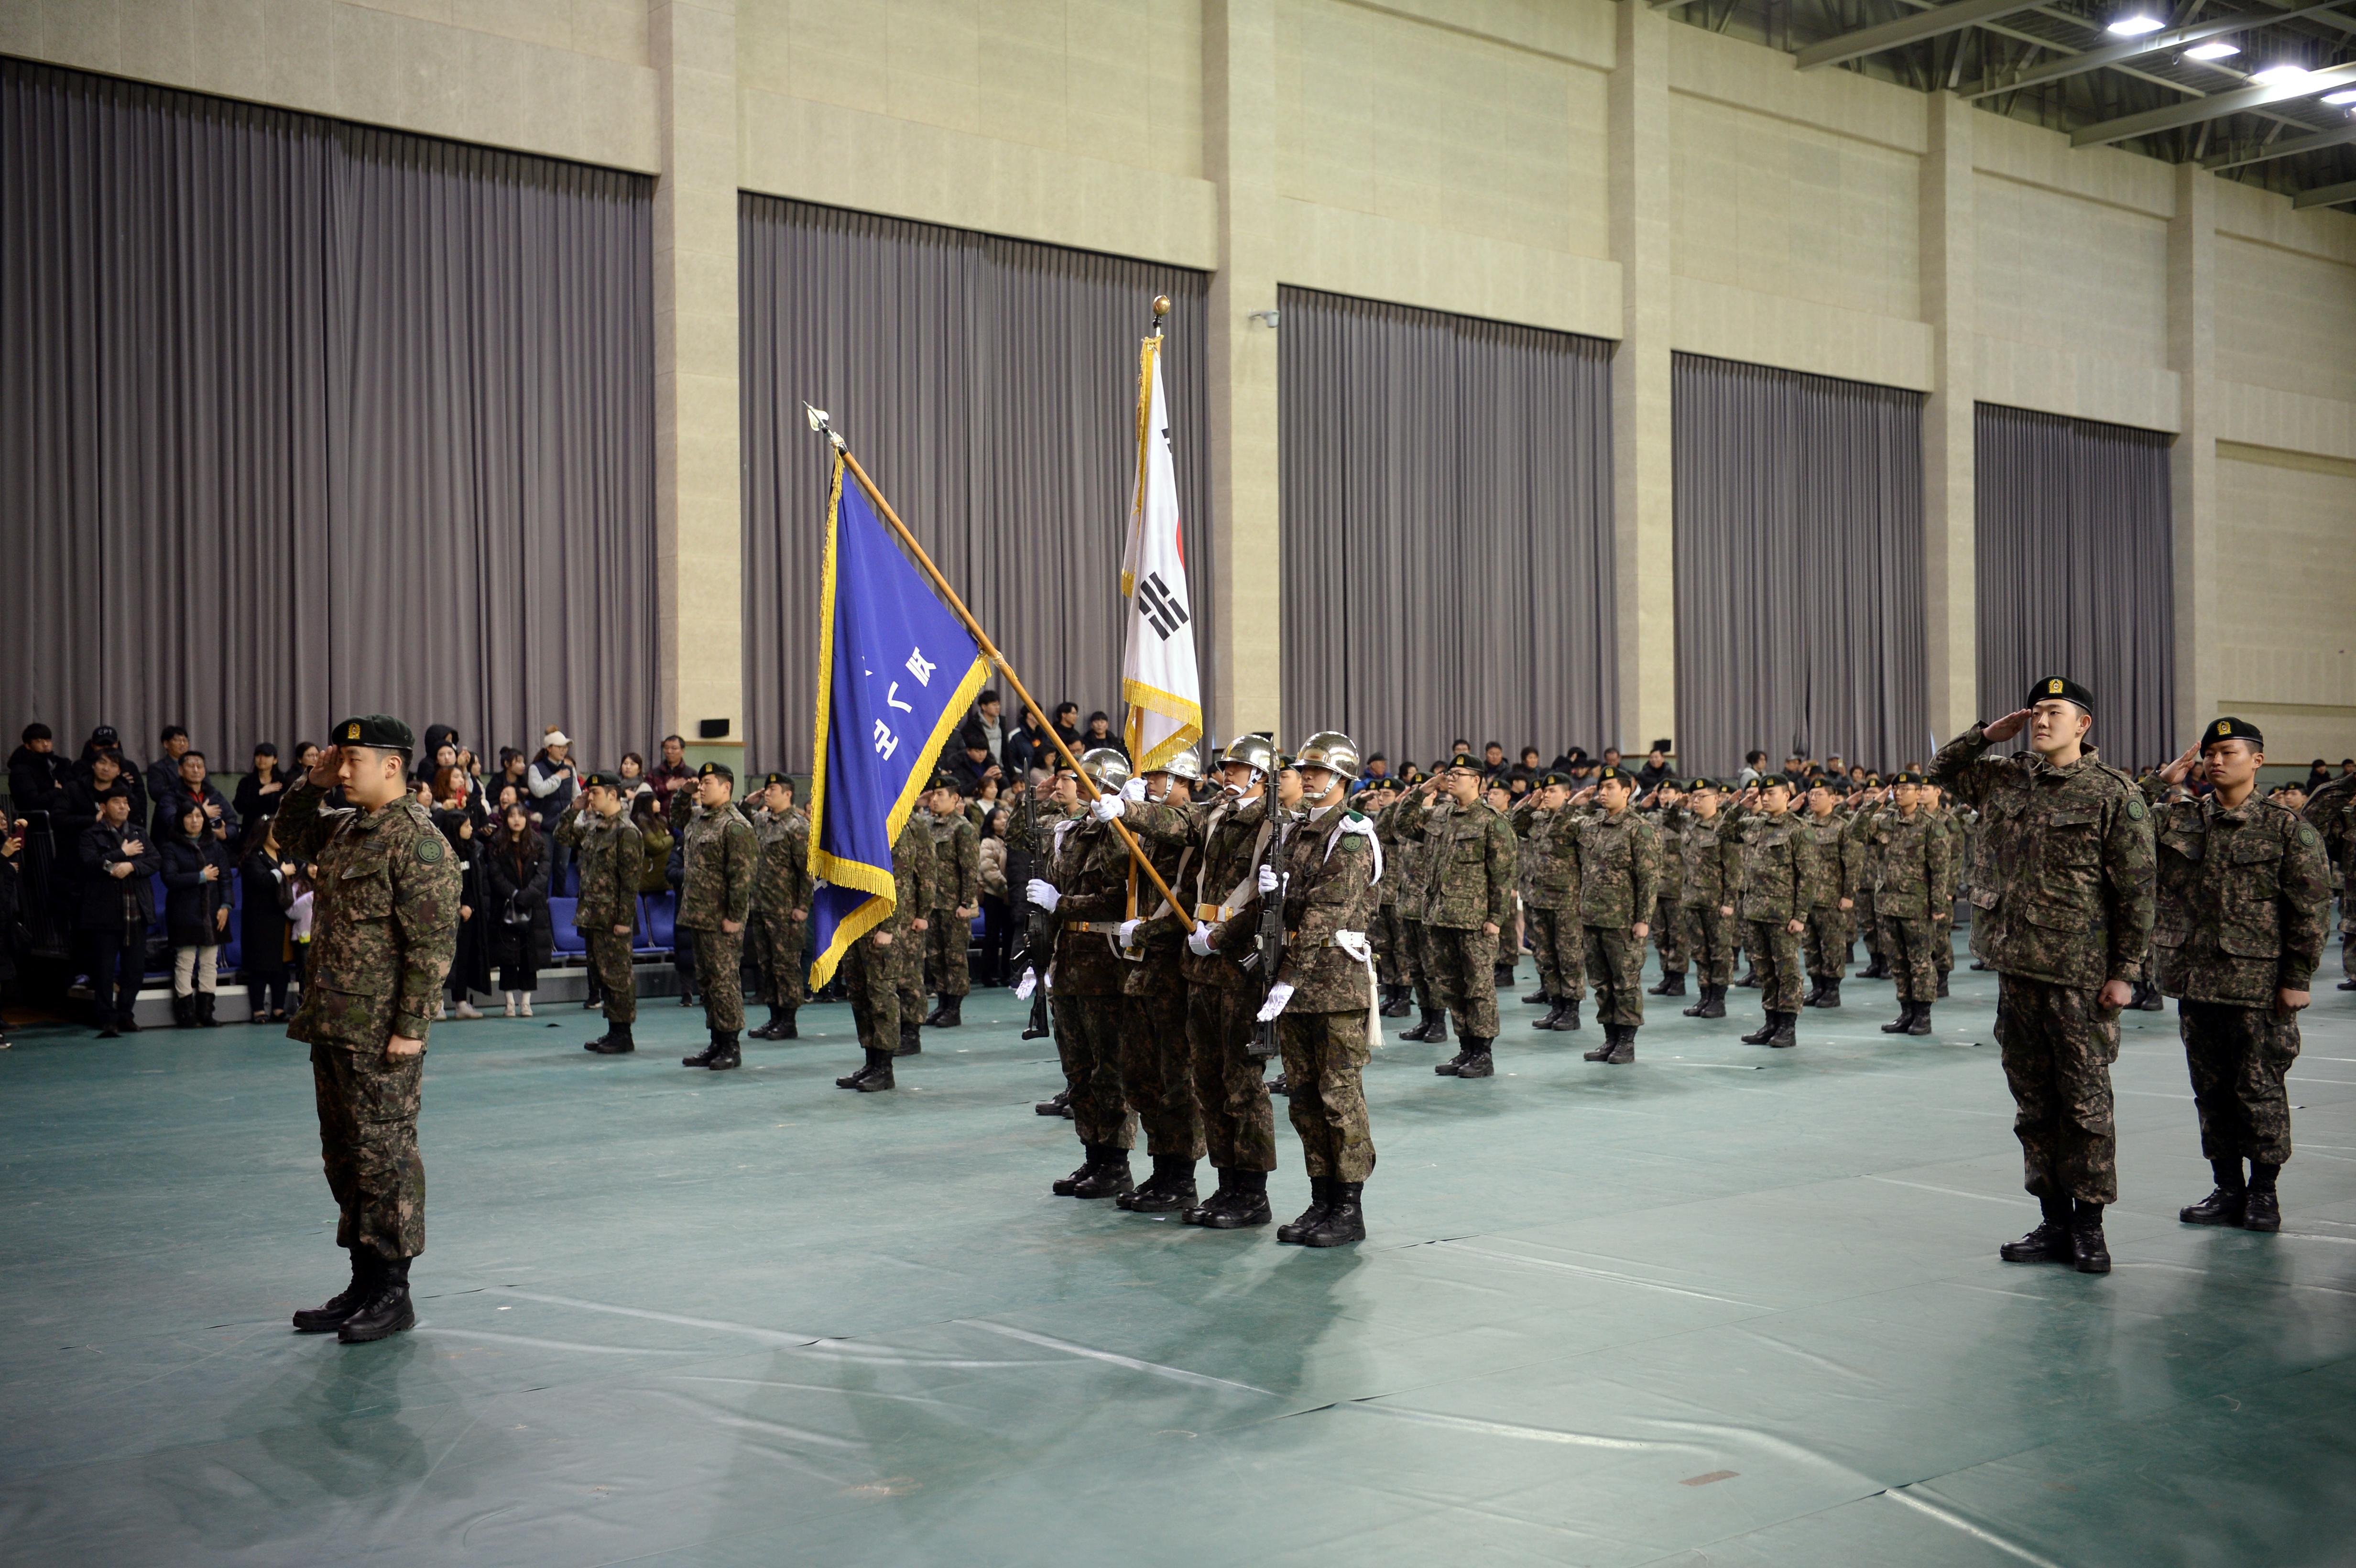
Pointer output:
x,y
1907,944
2058,1046
609,960
945,940
1415,955
1709,937
868,978
1388,934
1943,941
720,975
1868,923
1827,939
367,1141
1774,950
1231,1088
1616,965
1325,1063
1561,951
1464,978
1088,1040
2239,1057
1156,1071
907,952
776,936
1669,941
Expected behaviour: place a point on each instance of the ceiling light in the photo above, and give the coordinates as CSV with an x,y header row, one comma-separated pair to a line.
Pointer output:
x,y
2279,75
2216,49
2135,23
2347,95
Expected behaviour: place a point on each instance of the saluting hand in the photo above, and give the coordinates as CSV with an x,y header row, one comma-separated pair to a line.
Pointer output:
x,y
2005,728
324,772
2176,771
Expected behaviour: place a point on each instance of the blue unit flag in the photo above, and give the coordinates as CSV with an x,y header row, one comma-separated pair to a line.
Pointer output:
x,y
897,674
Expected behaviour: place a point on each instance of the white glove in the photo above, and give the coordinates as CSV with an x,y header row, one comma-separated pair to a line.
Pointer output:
x,y
1044,894
1198,941
1104,807
1134,790
1025,986
1278,995
1128,933
1268,879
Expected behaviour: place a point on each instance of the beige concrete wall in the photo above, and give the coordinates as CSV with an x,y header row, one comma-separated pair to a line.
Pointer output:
x,y
2285,640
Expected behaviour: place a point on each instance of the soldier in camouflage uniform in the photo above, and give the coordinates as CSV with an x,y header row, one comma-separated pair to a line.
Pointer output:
x,y
1469,876
957,899
1914,860
2332,811
1324,998
1864,803
1668,932
1832,894
1386,930
384,926
915,872
719,859
1618,869
781,899
610,855
1085,893
2241,913
2065,917
1943,941
1406,858
1550,866
1779,874
1707,884
873,964
1156,1065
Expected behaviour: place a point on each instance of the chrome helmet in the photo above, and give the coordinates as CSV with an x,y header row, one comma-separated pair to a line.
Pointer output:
x,y
1257,752
1106,767
1187,764
1329,750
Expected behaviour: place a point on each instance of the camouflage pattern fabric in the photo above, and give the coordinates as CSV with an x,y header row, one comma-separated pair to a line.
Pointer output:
x,y
1775,949
1779,869
1906,941
913,872
1470,863
1328,889
611,962
384,919
1619,870
956,884
1824,945
1615,968
2238,1058
1154,1068
1709,864
2242,906
1231,1088
1557,942
1913,859
720,971
1464,978
1711,935
774,936
1386,934
1089,1041
2057,1047
1325,1058
721,858
783,882
1415,947
609,855
872,984
948,971
367,1141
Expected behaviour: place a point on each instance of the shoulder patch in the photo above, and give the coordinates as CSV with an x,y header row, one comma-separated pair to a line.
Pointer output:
x,y
2136,808
2307,835
429,848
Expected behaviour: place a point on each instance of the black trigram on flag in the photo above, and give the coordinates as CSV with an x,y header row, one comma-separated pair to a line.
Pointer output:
x,y
1164,613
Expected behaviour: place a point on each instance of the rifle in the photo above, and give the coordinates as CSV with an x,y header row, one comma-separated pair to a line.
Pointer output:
x,y
1268,953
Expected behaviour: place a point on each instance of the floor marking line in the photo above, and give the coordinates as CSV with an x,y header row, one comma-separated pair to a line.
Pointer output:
x,y
1512,1429
1603,1273
1179,1374
1957,1521
428,1330
1953,1191
766,1336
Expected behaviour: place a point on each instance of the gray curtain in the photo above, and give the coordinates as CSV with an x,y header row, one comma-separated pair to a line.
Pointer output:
x,y
299,418
1447,494
1798,508
990,388
2076,573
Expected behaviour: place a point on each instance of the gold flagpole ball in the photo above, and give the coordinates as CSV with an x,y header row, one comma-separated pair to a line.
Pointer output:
x,y
1161,306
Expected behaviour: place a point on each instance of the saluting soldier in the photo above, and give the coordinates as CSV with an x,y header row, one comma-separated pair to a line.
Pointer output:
x,y
1661,809
1619,873
1709,882
1864,804
1468,903
384,924
610,855
957,899
1779,865
1386,931
873,964
1914,860
1944,819
2243,911
1832,894
1085,894
719,858
1410,856
1156,1067
1550,862
781,898
2062,896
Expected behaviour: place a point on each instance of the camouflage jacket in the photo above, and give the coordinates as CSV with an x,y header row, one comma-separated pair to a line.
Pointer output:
x,y
913,873
2332,811
1228,841
1329,889
782,884
1668,825
1779,868
720,857
1864,854
1711,855
1155,962
1549,855
1470,863
1913,859
1088,865
2243,902
1833,876
1403,859
2061,889
384,918
611,855
1619,870
956,861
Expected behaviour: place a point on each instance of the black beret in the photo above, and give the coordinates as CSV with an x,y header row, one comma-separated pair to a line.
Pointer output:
x,y
2062,686
2232,730
381,732
1776,781
770,780
603,781
1700,782
1908,777
1548,781
1606,774
1460,760
716,770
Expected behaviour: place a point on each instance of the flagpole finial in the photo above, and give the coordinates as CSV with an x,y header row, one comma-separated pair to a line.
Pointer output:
x,y
1161,306
818,422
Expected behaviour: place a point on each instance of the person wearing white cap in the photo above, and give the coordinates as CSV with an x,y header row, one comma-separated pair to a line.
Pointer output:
x,y
552,781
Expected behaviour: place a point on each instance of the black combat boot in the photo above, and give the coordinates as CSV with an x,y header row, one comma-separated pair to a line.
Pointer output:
x,y
1505,975
1623,1046
1394,1001
1532,1000
1055,1105
1816,992
1169,1190
1222,1194
1942,991
687,995
2087,1250
2048,1244
724,1052
330,1314
1570,1021
1320,1201
2263,1211
865,1070
1065,1185
1247,1203
1455,1064
1716,1006
952,1012
1344,1221
911,1040
775,1029
1035,1029
1830,997
1763,1033
1673,984
387,1310
2227,1204
879,1073
1476,1061
1877,970
1111,1178
1554,1014
1433,1030
616,1041
1921,1024
1749,981
933,1019
1601,1050
1783,1037
705,1057
1904,1022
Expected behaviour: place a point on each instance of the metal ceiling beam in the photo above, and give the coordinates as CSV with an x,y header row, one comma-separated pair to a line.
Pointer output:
x,y
2213,107
2284,149
2173,37
2326,195
1911,29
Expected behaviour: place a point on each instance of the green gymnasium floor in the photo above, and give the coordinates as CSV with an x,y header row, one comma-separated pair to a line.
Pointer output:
x,y
1724,1306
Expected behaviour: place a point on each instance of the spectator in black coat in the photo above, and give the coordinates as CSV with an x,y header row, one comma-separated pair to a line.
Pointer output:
x,y
118,905
163,772
470,961
197,866
1658,769
192,786
1068,725
104,742
36,774
12,856
264,934
1027,747
260,791
515,889
1098,732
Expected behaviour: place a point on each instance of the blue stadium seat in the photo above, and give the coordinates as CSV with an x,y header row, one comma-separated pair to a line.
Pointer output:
x,y
569,942
662,917
644,943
